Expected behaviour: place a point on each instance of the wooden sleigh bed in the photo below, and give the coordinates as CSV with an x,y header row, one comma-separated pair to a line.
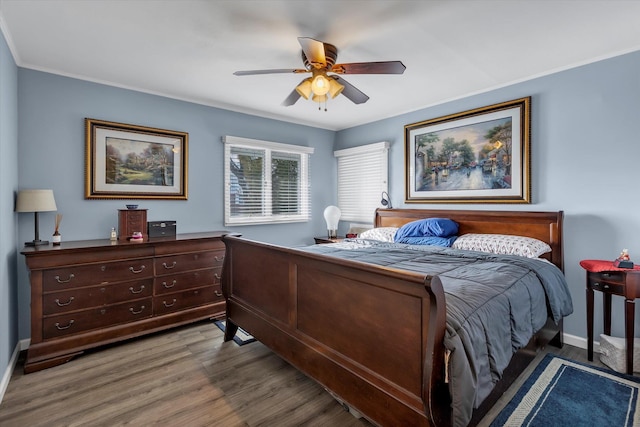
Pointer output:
x,y
344,339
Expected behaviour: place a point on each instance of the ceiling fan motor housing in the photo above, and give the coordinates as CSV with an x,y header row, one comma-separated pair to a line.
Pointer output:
x,y
330,54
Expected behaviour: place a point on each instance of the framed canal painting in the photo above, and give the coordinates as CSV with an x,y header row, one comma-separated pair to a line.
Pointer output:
x,y
476,156
134,162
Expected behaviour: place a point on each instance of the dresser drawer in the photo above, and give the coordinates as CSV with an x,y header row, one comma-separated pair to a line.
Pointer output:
x,y
179,282
179,263
95,296
180,300
85,320
96,274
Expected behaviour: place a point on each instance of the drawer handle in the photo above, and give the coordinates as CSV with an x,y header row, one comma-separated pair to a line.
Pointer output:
x,y
166,285
134,271
136,312
606,286
169,305
164,264
62,328
218,293
218,258
606,274
71,276
136,292
217,276
62,304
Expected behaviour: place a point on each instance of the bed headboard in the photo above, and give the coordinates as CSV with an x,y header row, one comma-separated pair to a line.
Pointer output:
x,y
545,226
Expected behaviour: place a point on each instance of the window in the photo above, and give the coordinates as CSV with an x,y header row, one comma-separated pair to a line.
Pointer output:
x,y
362,177
265,182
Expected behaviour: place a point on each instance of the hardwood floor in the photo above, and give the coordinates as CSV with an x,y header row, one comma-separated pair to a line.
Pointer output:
x,y
183,377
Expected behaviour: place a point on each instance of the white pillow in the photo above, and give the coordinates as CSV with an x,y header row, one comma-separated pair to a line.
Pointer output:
x,y
502,244
384,234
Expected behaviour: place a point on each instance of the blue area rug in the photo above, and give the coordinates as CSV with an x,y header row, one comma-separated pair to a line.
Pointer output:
x,y
561,392
241,337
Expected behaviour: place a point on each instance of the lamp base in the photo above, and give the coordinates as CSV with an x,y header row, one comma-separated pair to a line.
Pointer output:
x,y
36,243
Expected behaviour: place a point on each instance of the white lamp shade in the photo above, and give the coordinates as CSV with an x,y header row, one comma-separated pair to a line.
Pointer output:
x,y
332,216
35,201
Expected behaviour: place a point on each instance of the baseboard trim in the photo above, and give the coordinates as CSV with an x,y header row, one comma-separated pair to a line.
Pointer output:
x,y
9,371
580,342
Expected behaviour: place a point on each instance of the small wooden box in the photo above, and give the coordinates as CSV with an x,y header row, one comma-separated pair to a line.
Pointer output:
x,y
130,220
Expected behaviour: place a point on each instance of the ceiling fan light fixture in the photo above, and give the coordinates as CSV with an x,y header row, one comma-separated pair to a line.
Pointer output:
x,y
320,84
304,88
335,88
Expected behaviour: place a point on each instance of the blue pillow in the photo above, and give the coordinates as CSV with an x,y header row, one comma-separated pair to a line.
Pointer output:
x,y
439,227
428,240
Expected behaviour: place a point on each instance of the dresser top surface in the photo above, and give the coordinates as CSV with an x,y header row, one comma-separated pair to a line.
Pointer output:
x,y
105,243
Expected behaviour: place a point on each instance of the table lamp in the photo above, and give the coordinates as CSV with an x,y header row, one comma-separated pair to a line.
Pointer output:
x,y
332,216
36,201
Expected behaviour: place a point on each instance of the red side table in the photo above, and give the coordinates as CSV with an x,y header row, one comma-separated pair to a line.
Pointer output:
x,y
603,276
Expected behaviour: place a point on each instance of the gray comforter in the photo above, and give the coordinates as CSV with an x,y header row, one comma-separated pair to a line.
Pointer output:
x,y
495,303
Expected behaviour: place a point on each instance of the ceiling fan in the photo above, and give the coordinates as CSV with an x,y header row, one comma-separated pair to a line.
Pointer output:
x,y
319,58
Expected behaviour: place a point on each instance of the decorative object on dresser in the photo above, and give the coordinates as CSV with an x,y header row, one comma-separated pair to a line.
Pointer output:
x,y
162,228
88,293
134,162
57,237
603,276
36,201
131,221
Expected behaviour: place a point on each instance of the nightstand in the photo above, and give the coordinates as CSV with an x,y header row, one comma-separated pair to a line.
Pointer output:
x,y
604,277
321,240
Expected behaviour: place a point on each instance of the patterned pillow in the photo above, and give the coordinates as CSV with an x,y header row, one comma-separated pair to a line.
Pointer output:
x,y
502,244
384,234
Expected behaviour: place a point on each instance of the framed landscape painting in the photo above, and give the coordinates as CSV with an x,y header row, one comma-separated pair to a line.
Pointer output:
x,y
134,162
476,156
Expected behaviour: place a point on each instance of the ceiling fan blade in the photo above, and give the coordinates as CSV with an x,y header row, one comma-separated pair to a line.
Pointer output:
x,y
385,67
274,71
351,92
314,51
291,99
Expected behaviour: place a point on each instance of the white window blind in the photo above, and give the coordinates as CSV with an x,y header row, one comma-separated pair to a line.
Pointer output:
x,y
362,177
265,182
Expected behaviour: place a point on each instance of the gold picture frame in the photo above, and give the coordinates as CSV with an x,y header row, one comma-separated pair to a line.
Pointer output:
x,y
475,156
126,161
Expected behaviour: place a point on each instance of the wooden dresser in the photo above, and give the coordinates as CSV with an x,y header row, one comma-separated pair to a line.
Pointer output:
x,y
93,292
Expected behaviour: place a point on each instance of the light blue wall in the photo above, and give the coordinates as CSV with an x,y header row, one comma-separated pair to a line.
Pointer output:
x,y
52,148
585,148
8,219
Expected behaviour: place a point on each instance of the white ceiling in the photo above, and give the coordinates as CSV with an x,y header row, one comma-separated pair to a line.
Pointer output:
x,y
188,49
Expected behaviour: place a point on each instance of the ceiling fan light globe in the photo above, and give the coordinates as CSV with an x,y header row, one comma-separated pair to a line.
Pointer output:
x,y
319,98
320,85
304,88
335,88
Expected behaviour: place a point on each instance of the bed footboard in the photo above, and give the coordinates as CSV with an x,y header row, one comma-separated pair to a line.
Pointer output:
x,y
371,335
